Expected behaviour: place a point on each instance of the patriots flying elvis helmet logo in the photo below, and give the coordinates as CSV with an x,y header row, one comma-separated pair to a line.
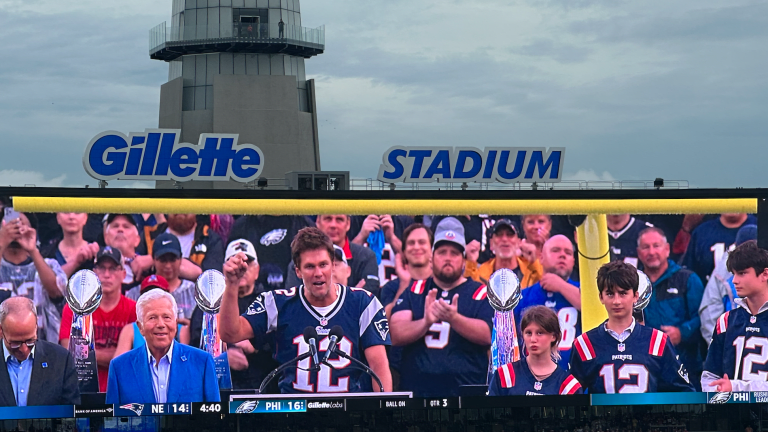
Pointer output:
x,y
135,407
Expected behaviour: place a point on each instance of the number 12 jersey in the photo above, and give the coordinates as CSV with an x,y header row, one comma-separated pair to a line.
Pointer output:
x,y
740,349
644,363
286,313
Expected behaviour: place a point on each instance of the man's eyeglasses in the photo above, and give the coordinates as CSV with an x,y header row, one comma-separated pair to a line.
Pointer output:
x,y
106,269
30,343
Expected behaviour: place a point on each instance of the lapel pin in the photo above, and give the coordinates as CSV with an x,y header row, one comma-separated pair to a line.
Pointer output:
x,y
45,364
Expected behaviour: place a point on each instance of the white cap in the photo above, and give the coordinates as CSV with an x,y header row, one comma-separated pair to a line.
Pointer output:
x,y
241,245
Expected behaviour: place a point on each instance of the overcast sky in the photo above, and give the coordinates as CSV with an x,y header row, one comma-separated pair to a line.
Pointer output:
x,y
632,89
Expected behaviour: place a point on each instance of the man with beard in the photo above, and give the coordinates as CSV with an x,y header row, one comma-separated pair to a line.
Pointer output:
x,y
199,243
444,323
24,272
318,303
674,305
557,291
509,252
361,260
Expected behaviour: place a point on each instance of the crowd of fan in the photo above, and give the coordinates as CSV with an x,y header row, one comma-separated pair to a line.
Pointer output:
x,y
381,253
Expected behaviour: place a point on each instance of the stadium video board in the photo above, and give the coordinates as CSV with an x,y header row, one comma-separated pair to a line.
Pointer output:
x,y
385,300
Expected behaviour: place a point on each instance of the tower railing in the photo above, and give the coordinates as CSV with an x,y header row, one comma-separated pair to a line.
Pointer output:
x,y
162,35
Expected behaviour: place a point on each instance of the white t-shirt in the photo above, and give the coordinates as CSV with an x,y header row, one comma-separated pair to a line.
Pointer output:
x,y
186,241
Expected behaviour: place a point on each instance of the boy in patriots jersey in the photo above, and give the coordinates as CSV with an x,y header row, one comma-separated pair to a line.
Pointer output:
x,y
736,356
537,373
558,292
319,303
621,356
444,323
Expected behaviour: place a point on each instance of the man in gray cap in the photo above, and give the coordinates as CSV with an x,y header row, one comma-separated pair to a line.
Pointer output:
x,y
444,323
719,292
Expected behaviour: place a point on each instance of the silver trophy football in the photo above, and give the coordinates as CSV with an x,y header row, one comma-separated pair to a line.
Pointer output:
x,y
208,292
644,292
504,294
83,296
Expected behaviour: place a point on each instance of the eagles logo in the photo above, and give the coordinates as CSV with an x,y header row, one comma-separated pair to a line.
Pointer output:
x,y
247,407
720,398
273,237
256,307
382,326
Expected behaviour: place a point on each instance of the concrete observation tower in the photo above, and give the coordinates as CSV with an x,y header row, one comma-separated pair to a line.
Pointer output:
x,y
234,67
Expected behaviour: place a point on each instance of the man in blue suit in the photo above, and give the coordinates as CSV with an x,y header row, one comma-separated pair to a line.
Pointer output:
x,y
162,371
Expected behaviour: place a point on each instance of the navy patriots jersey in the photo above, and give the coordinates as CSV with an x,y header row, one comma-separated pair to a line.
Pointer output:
x,y
286,313
567,315
623,243
709,242
739,348
644,363
516,379
443,360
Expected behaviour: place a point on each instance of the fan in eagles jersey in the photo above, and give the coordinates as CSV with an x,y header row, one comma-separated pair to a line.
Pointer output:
x,y
619,355
443,323
537,373
736,356
318,303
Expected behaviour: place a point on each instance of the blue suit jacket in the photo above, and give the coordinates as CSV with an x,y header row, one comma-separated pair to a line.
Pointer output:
x,y
192,377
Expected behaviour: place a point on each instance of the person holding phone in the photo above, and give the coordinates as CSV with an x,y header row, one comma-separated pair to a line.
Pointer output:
x,y
24,272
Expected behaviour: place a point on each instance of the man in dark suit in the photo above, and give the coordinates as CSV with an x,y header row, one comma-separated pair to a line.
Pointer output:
x,y
36,372
162,371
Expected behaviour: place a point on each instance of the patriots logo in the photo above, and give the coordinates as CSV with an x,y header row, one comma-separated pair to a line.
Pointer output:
x,y
247,407
382,326
256,307
136,408
273,237
684,374
720,398
450,235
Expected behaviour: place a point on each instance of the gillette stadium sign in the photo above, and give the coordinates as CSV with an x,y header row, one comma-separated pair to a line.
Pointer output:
x,y
469,164
156,154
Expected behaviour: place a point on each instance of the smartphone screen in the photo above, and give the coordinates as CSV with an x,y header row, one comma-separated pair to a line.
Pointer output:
x,y
10,214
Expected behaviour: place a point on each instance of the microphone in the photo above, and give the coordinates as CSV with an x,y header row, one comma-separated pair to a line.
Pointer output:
x,y
334,335
337,333
310,337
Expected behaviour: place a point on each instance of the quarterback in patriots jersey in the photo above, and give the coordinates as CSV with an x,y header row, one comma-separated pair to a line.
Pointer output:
x,y
620,355
736,360
284,314
537,373
443,323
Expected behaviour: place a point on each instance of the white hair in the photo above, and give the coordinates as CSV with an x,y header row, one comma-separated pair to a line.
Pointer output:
x,y
151,295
